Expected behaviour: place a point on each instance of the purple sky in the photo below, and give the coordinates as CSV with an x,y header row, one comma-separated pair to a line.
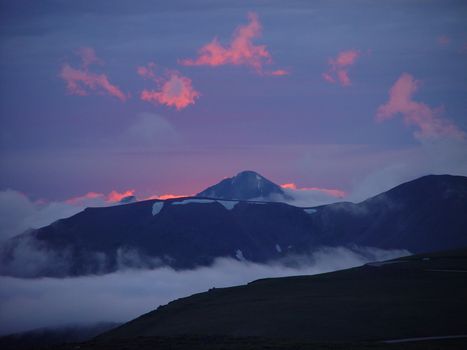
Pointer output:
x,y
354,95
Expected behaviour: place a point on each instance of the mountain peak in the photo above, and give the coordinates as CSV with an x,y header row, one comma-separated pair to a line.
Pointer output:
x,y
245,185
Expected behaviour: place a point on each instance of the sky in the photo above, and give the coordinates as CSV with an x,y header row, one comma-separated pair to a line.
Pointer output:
x,y
155,98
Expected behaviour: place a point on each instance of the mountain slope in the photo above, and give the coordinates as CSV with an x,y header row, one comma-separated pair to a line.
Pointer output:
x,y
418,296
244,186
423,215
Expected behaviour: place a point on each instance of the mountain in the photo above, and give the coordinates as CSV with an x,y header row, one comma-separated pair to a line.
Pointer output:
x,y
422,215
244,186
415,296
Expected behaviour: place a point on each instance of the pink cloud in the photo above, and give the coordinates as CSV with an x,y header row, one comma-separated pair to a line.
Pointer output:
x,y
329,191
88,56
429,121
116,196
112,197
148,71
339,66
279,72
240,51
81,199
82,81
169,196
174,90
443,40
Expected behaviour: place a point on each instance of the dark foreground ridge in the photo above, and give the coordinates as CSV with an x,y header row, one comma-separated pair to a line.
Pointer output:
x,y
254,343
417,296
421,296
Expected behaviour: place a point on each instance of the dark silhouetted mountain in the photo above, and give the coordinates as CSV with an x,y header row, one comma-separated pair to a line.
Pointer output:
x,y
422,215
416,296
244,186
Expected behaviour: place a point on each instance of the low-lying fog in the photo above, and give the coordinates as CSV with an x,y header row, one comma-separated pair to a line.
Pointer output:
x,y
118,297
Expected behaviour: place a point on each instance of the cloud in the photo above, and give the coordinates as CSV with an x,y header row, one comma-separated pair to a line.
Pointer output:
x,y
279,72
174,90
431,156
82,81
240,50
147,72
429,121
150,130
50,302
339,66
169,196
19,213
304,196
115,196
443,40
308,197
88,56
329,191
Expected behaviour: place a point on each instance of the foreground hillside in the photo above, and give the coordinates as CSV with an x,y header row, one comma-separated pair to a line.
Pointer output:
x,y
423,215
418,296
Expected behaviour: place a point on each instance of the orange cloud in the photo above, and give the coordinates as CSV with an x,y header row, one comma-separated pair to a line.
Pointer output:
x,y
168,196
174,90
429,121
81,81
112,197
240,51
290,186
329,191
339,66
115,196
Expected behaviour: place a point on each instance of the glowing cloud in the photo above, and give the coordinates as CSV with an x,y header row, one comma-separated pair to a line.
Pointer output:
x,y
430,122
82,199
329,191
279,72
240,51
339,66
99,198
81,81
115,196
174,90
169,196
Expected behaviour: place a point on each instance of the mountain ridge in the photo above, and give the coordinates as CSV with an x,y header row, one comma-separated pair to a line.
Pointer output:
x,y
422,215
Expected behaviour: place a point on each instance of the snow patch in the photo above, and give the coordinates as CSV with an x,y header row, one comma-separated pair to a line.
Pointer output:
x,y
278,248
310,211
157,207
229,205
